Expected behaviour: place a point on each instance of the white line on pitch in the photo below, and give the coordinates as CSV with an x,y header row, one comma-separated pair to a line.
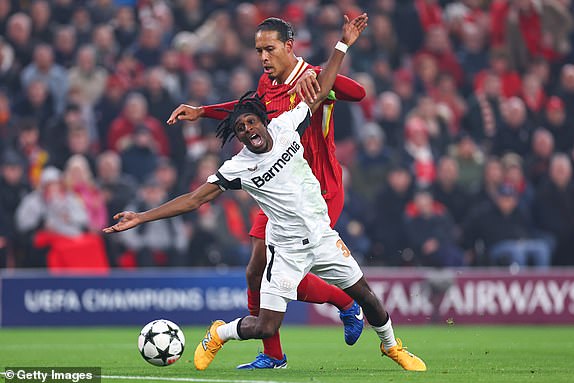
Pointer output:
x,y
172,379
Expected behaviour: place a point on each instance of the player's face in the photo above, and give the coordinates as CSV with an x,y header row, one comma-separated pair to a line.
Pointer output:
x,y
273,53
252,133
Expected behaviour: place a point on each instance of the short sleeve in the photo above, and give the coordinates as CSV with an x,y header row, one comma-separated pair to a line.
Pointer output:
x,y
297,118
226,177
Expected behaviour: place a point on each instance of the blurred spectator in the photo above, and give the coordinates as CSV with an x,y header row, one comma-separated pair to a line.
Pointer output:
x,y
505,232
450,105
9,75
472,53
417,152
484,115
160,105
7,130
106,47
101,11
82,23
388,114
166,175
492,178
565,91
174,73
383,38
534,97
431,233
513,166
77,143
125,27
189,14
554,208
351,224
79,179
159,243
436,120
41,14
29,145
404,87
86,77
537,161
556,123
53,75
118,191
447,190
139,157
148,49
373,161
5,12
135,114
65,46
53,208
109,108
36,103
385,226
62,11
13,188
470,161
536,28
19,35
500,66
515,131
438,45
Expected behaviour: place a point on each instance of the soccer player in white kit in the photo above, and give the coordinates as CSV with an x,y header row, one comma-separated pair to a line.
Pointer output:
x,y
271,168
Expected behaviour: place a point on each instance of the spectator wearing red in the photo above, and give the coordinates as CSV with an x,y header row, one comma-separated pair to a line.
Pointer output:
x,y
537,28
430,13
438,45
417,152
134,114
500,65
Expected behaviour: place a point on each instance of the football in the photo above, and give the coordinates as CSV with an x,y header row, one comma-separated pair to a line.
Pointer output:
x,y
161,342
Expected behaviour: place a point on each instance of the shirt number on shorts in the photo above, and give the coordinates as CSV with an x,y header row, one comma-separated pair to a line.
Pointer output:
x,y
344,249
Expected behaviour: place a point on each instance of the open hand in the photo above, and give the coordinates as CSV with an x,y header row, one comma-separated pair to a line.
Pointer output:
x,y
353,29
128,220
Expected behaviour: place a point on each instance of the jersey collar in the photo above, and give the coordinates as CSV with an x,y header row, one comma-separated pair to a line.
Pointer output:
x,y
300,67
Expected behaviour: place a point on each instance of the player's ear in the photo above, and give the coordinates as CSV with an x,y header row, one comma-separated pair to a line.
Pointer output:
x,y
289,45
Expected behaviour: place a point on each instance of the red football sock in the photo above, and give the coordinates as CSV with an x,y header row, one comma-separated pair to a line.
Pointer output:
x,y
253,302
272,345
315,290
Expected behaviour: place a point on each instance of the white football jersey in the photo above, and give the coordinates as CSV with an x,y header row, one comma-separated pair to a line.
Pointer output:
x,y
281,182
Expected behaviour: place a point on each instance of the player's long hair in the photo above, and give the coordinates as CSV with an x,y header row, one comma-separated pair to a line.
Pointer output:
x,y
250,102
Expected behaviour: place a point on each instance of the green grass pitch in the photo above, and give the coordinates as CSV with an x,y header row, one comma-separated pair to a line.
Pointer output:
x,y
453,354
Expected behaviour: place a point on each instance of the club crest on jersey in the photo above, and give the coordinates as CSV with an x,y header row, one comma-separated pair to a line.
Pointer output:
x,y
277,166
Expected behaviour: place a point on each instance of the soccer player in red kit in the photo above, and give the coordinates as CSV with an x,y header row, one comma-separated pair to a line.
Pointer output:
x,y
285,80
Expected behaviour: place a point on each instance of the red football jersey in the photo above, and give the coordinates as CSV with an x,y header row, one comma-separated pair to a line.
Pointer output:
x,y
318,140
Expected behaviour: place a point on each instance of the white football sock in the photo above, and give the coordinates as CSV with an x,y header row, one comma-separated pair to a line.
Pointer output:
x,y
229,330
386,334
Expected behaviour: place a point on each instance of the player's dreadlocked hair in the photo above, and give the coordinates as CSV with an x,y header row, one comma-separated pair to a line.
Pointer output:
x,y
250,102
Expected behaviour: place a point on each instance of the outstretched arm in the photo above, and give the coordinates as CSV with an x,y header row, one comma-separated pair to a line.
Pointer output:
x,y
177,206
326,79
345,89
192,113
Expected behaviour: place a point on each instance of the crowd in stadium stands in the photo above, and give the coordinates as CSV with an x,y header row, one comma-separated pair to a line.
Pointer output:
x,y
459,155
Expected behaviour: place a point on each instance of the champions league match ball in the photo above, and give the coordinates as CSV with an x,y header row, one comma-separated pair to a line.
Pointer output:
x,y
161,342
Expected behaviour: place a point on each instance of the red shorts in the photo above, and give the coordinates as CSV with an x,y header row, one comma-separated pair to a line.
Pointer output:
x,y
334,208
